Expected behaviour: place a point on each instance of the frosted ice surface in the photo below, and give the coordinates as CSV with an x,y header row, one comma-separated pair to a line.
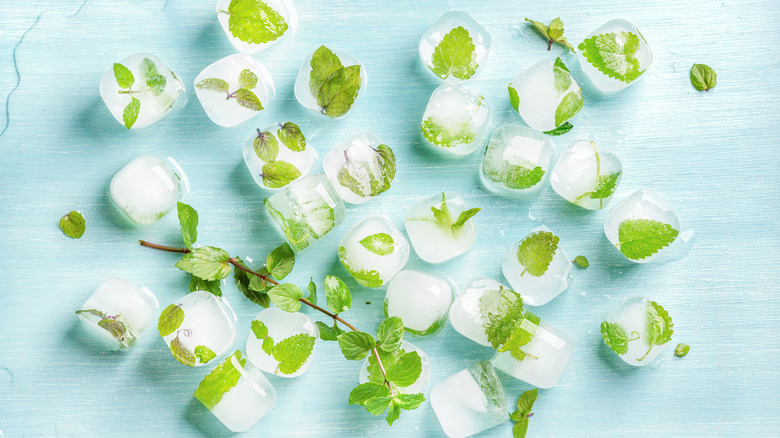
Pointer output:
x,y
456,120
516,161
373,251
586,175
146,189
421,300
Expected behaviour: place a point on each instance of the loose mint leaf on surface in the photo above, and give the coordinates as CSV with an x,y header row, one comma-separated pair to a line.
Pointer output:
x,y
213,84
248,99
355,345
254,22
170,320
280,261
292,352
219,381
520,429
569,107
409,401
204,353
286,296
73,224
681,350
328,333
616,338
390,334
455,55
124,78
182,353
560,130
292,137
337,294
339,91
536,251
367,390
519,177
463,217
188,221
514,98
323,64
278,174
197,283
641,238
252,288
605,186
581,261
406,371
659,324
155,81
259,329
703,77
379,243
440,136
130,113
208,263
247,79
501,311
312,288
525,403
614,54
552,33
116,328
266,146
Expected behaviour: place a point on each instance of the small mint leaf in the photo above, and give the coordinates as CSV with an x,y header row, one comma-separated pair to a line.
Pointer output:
x,y
170,320
188,221
204,353
286,296
130,113
73,225
124,78
247,79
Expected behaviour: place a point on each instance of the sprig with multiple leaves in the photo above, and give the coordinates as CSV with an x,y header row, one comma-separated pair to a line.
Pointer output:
x,y
125,79
243,95
442,216
254,22
334,86
552,33
525,405
278,173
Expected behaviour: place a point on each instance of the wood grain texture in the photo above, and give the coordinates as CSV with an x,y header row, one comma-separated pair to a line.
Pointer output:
x,y
712,156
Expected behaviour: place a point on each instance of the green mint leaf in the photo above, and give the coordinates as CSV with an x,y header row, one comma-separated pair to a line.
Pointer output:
x,y
254,22
614,55
252,288
536,251
520,428
390,334
560,130
182,353
155,81
312,288
95,312
188,220
385,159
581,261
337,294
219,381
247,79
259,329
248,99
292,137
455,55
124,78
266,146
213,84
569,107
522,334
278,174
525,403
519,177
328,333
681,350
438,135
409,401
323,64
355,345
292,352
562,78
280,261
339,91
208,263
463,217
73,224
379,243
204,353
406,371
377,405
393,412
514,98
116,328
214,286
441,215
616,338
502,312
703,77
558,63
268,345
605,186
130,113
516,416
641,238
286,296
365,391
170,320
552,33
364,277
659,324
375,373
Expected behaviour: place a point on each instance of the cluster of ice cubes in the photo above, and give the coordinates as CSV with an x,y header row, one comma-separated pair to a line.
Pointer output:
x,y
457,27
419,385
146,188
280,325
545,95
281,23
420,299
279,155
433,241
456,120
373,251
360,168
586,175
516,161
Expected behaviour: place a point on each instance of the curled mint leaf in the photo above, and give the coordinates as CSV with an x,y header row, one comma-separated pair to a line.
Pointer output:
x,y
703,77
254,22
455,55
73,225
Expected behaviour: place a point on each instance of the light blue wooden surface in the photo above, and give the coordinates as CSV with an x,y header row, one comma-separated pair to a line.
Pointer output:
x,y
712,156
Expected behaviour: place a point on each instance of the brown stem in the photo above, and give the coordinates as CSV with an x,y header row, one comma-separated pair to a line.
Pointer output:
x,y
265,277
549,44
163,248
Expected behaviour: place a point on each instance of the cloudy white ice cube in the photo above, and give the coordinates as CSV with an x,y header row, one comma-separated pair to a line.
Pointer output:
x,y
146,188
278,155
467,312
318,94
456,120
419,385
434,239
373,251
454,31
287,332
516,161
360,168
253,26
586,175
525,269
638,330
420,299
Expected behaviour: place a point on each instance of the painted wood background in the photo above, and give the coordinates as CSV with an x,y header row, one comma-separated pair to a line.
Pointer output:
x,y
713,156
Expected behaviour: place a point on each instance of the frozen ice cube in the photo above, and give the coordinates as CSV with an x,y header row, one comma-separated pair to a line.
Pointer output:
x,y
545,95
586,175
234,89
638,330
406,347
140,90
118,312
253,26
456,120
360,168
437,236
516,161
470,401
420,299
454,47
146,189
642,226
198,327
479,298
281,342
279,155
306,210
614,56
237,393
537,267
541,355
373,251
330,82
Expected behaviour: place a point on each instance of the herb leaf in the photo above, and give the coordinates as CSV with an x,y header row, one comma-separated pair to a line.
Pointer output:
x,y
501,311
130,113
454,55
355,345
278,174
248,99
214,286
406,371
219,381
286,296
259,329
170,320
252,288
254,22
328,333
337,294
560,130
323,64
569,107
390,334
188,220
213,84
681,350
312,288
438,135
182,353
292,352
379,243
614,54
116,328
615,337
525,403
292,137
204,353
339,91
514,98
280,261
266,146
520,429
536,251
659,324
247,79
365,391
641,238
208,263
703,77
552,33
124,77
605,186
581,261
73,224
155,81
463,217
364,277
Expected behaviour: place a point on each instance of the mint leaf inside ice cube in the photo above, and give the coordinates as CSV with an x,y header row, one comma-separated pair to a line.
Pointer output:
x,y
536,251
254,22
454,55
641,238
614,54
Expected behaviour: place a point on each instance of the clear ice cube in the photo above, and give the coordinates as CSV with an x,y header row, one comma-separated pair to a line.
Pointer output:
x,y
318,95
462,35
373,251
234,89
415,388
456,120
421,300
470,401
638,330
360,168
433,238
284,329
516,161
254,29
642,226
586,175
477,299
525,270
146,189
279,155
140,90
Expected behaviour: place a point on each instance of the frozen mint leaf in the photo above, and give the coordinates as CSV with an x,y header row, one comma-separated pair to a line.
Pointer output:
x,y
292,137
525,403
552,33
116,328
519,177
213,84
581,261
124,78
277,174
213,286
616,337
346,179
558,63
73,224
220,380
367,278
514,98
520,429
390,334
463,217
170,320
268,345
605,186
247,79
438,135
254,22
323,64
280,261
367,390
182,353
259,329
659,324
614,54
266,146
337,294
292,352
208,263
455,55
377,405
188,220
286,296
204,353
560,130
522,334
562,78
641,238
409,401
328,333
703,77
95,312
154,80
569,107
339,91
536,251
355,345
312,298
681,350
501,311
379,243
130,113
252,288
386,161
248,99
406,371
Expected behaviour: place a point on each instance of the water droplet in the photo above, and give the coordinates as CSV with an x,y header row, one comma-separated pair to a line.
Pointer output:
x,y
531,216
502,233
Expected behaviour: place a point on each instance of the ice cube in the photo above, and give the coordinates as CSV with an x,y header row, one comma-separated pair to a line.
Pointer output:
x,y
537,267
586,175
642,226
146,189
436,237
454,47
516,161
281,342
234,89
415,388
198,328
373,251
140,90
638,330
420,299
456,120
279,155
478,299
541,356
360,168
470,401
253,26
614,56
545,95
306,210
330,82
237,393
118,312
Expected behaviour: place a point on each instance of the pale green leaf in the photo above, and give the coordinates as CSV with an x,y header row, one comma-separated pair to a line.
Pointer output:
x,y
525,403
616,337
208,263
379,243
277,174
280,261
116,328
266,146
502,312
312,288
329,333
569,107
248,99
581,261
641,238
514,98
438,135
390,334
170,320
406,371
182,353
377,405
73,224
213,84
204,353
367,390
292,352
681,350
536,251
337,294
463,217
259,329
286,296
124,77
355,345
292,137
455,55
560,130
339,91
323,64
130,113
247,79
219,381
254,22
155,81
614,54
188,221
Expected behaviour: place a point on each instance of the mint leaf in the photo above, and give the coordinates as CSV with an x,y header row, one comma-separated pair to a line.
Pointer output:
x,y
501,312
409,401
95,312
252,288
569,107
385,159
522,334
170,320
266,146
364,277
155,81
581,261
520,428
197,283
536,251
292,352
286,296
124,78
562,77
268,345
204,353
365,391
188,220
328,333
375,373
641,238
355,345
454,55
337,294
254,22
393,412
552,33
116,328
280,261
208,263
247,79
519,177
377,405
323,64
277,174
560,130
616,338
605,186
558,63
463,217
614,54
438,135
339,91
292,137
659,324
406,371
525,403
73,224
248,99
130,113
312,298
220,380
681,350
390,334
213,84
259,329
703,77
182,353
514,98
379,243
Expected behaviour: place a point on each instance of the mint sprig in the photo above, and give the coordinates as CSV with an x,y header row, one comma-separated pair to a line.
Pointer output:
x,y
368,178
125,80
455,55
552,33
244,96
290,353
254,22
73,224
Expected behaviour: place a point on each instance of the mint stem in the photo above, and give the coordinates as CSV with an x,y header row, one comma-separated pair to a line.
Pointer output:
x,y
549,44
163,248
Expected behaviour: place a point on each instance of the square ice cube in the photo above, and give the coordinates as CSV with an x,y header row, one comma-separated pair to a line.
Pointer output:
x,y
456,120
434,230
146,189
281,342
140,90
360,168
537,267
637,330
253,25
415,388
306,210
330,82
516,161
237,393
614,56
586,175
470,401
198,328
470,311
454,47
279,155
373,251
421,300
545,95
234,89
642,226
118,312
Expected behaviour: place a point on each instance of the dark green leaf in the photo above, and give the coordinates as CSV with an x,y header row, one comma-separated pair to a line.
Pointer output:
x,y
286,296
328,333
280,261
188,220
379,243
355,345
170,320
208,263
249,285
73,224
